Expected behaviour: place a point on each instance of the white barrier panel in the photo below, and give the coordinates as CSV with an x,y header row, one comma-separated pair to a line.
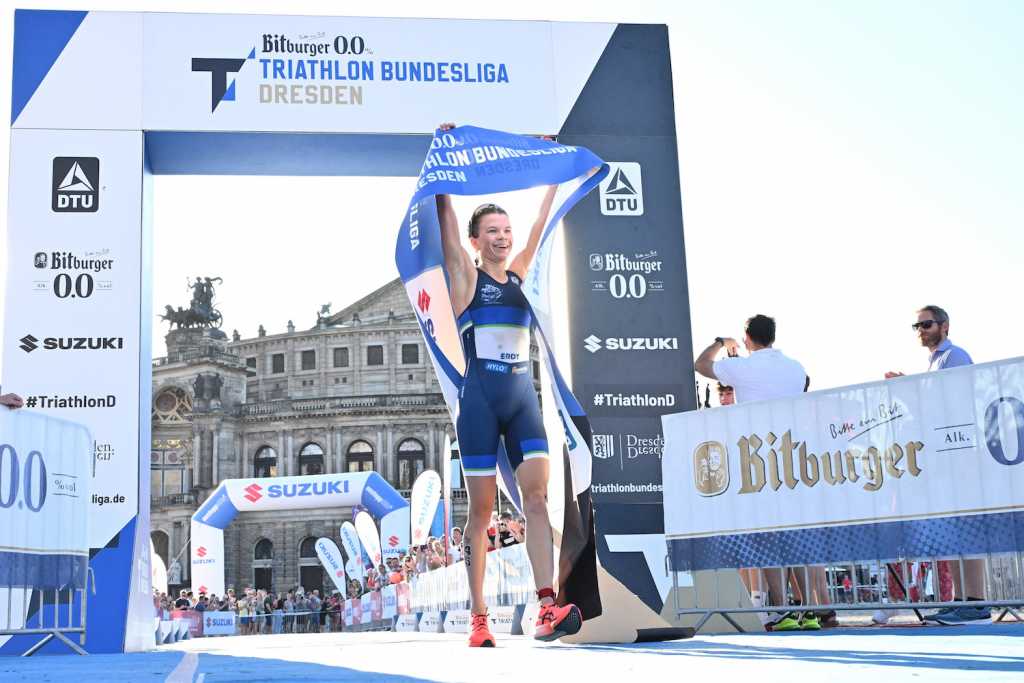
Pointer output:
x,y
45,475
930,465
508,581
456,621
501,618
389,599
219,623
406,623
430,622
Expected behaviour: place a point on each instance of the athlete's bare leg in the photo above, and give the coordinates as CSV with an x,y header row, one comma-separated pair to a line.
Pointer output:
x,y
482,492
532,476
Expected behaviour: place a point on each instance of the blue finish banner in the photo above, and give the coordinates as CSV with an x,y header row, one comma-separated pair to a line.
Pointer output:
x,y
474,161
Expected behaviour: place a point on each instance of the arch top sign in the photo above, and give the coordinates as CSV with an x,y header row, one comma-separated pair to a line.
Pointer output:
x,y
209,72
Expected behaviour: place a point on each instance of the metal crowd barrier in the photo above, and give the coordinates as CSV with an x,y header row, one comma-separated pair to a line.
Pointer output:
x,y
1004,586
59,603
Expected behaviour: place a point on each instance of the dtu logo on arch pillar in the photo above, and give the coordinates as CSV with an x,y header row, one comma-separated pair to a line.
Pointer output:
x,y
621,191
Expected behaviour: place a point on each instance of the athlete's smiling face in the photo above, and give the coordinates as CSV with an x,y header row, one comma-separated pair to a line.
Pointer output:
x,y
495,238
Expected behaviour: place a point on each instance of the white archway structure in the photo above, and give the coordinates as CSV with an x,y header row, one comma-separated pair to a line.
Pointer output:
x,y
235,496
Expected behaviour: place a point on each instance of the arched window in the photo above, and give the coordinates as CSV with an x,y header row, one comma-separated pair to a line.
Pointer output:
x,y
161,544
265,463
311,573
264,550
172,406
359,457
411,461
263,564
311,459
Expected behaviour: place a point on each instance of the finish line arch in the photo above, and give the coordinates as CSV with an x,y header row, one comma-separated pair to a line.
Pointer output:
x,y
104,101
236,496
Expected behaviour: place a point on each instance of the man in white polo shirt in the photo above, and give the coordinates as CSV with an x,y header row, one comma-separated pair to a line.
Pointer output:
x,y
765,374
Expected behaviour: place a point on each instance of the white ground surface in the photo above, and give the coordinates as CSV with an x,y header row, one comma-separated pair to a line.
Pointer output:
x,y
986,653
993,653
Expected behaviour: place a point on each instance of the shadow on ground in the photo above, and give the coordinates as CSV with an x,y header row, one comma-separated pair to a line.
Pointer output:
x,y
828,653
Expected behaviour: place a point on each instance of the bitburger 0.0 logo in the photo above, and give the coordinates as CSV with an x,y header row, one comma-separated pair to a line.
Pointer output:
x,y
30,343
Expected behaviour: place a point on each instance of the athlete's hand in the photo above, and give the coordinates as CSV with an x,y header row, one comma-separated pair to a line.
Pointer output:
x,y
445,127
12,401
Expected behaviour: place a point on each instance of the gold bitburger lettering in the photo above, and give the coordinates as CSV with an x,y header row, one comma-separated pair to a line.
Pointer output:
x,y
790,464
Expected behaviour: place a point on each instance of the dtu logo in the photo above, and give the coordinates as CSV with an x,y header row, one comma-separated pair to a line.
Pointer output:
x,y
218,68
76,182
621,191
711,468
252,492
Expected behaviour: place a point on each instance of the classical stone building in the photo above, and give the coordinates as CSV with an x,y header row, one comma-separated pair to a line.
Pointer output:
x,y
356,392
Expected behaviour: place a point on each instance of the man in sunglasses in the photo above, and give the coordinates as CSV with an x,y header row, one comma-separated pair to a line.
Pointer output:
x,y
932,329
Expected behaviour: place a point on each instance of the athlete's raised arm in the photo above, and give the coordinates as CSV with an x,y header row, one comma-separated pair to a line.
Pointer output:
x,y
461,271
521,263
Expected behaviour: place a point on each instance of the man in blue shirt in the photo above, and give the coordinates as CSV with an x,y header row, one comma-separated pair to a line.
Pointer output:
x,y
932,329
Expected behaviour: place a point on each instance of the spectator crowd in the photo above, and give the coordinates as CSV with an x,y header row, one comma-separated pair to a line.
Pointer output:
x,y
301,611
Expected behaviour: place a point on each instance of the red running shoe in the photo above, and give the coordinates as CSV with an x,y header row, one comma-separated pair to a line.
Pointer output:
x,y
480,633
554,622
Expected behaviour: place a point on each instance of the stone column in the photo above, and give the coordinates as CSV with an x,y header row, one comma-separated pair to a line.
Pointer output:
x,y
197,456
389,467
281,459
337,450
433,461
329,452
215,454
378,459
243,456
290,459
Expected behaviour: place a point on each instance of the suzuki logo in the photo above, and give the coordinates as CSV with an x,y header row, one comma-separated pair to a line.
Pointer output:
x,y
424,301
393,541
28,343
202,589
252,492
592,344
201,552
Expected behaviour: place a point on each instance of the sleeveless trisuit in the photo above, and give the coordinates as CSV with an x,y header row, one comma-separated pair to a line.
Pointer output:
x,y
497,398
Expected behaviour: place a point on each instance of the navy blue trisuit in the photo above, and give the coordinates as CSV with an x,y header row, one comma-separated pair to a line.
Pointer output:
x,y
497,399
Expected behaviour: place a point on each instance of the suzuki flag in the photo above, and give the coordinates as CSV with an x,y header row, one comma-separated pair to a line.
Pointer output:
x,y
367,531
353,549
330,558
474,161
426,492
861,473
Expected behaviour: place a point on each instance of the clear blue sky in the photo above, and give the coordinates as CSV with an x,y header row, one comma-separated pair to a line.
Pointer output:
x,y
842,164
